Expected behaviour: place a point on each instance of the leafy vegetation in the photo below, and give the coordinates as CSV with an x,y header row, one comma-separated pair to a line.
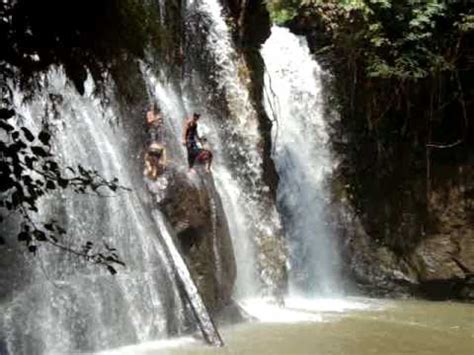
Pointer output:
x,y
403,82
282,11
403,39
86,36
28,172
96,38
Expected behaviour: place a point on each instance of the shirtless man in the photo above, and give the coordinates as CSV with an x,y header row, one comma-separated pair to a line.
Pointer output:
x,y
190,139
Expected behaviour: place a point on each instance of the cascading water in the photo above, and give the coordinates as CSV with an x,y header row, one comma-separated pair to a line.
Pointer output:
x,y
293,95
66,305
83,309
213,86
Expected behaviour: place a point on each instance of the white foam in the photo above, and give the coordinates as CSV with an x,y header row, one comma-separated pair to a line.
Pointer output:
x,y
295,310
339,305
273,313
150,347
298,310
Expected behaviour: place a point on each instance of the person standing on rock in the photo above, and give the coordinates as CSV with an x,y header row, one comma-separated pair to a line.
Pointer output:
x,y
190,140
154,122
155,156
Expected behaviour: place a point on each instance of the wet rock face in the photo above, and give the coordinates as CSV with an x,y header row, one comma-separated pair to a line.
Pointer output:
x,y
369,268
440,266
251,30
194,210
444,259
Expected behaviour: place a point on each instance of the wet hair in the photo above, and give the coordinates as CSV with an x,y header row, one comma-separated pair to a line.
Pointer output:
x,y
197,115
154,106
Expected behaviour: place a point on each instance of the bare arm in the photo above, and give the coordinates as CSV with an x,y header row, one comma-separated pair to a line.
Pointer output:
x,y
147,164
164,158
150,117
185,131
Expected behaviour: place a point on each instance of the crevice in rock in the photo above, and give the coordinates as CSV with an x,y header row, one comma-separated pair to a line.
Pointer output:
x,y
189,238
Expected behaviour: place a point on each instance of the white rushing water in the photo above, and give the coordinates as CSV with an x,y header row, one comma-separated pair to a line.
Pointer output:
x,y
65,305
302,310
78,308
294,97
176,110
233,135
253,219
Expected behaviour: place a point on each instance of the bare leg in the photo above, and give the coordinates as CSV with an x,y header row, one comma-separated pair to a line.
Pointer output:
x,y
155,168
209,163
191,158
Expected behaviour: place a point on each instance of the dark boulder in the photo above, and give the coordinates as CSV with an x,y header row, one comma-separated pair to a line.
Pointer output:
x,y
194,209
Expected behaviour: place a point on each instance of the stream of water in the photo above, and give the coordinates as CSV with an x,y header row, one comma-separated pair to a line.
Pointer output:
x,y
59,302
233,135
294,98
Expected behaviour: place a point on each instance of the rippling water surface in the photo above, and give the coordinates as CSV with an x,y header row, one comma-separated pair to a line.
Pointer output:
x,y
352,327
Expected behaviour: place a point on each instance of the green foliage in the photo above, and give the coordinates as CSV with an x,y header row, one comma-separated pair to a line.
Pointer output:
x,y
403,80
403,39
82,36
86,37
282,11
465,23
28,172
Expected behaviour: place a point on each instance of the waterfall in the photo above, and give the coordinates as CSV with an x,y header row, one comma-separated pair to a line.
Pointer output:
x,y
58,303
294,96
213,85
253,219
